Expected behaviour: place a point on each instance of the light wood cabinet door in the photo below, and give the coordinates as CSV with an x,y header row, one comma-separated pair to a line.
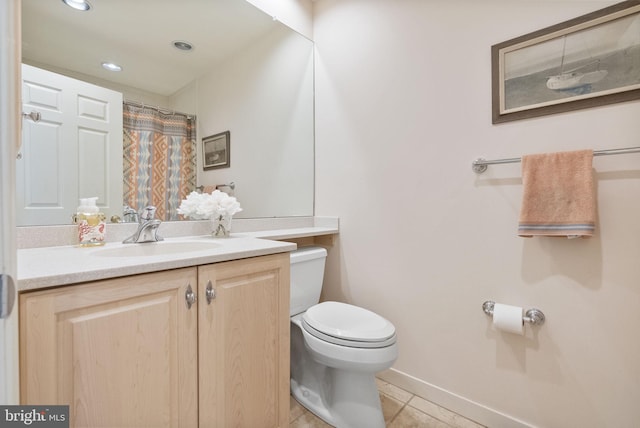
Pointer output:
x,y
120,352
244,343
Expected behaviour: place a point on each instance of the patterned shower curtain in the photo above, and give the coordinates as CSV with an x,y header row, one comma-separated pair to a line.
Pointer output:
x,y
159,159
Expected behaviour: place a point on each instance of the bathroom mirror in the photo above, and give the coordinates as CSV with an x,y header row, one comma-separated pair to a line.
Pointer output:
x,y
247,73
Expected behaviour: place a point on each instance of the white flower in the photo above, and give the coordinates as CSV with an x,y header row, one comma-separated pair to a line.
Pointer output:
x,y
200,206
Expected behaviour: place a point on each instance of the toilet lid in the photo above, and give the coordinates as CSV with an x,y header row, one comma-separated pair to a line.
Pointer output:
x,y
348,322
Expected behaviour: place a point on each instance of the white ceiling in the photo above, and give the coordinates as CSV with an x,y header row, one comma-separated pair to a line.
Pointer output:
x,y
138,35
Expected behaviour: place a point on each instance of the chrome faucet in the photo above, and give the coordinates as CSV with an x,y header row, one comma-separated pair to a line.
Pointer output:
x,y
147,227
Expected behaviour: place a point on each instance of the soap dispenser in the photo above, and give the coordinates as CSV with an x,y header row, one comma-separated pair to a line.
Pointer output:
x,y
91,224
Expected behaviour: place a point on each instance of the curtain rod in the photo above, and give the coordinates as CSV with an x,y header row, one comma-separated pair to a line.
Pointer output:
x,y
158,108
480,165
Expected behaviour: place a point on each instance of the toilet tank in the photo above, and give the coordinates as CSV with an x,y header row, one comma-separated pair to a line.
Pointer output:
x,y
307,272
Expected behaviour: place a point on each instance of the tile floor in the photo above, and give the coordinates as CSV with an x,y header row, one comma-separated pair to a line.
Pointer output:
x,y
401,410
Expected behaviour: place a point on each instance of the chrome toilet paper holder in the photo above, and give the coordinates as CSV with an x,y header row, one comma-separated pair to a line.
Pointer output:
x,y
532,316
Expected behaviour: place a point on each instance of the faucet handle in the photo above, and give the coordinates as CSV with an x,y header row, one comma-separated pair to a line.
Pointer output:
x,y
149,213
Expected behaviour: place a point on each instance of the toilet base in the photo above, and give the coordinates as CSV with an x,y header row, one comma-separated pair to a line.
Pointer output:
x,y
352,401
311,401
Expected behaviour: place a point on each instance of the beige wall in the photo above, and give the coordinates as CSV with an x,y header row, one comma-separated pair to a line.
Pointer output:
x,y
403,101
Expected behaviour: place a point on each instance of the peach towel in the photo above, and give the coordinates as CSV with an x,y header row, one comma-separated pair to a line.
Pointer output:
x,y
559,197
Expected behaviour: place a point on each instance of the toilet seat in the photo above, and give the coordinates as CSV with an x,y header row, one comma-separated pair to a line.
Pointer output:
x,y
348,325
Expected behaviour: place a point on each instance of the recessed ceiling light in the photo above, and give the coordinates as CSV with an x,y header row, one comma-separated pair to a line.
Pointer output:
x,y
182,45
78,4
111,66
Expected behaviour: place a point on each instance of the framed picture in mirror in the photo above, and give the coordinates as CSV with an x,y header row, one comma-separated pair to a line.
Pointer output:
x,y
216,151
589,61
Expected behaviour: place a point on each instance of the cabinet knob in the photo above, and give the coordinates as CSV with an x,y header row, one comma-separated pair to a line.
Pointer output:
x,y
189,296
210,292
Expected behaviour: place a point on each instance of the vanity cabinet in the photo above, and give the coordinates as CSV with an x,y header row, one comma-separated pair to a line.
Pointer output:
x,y
131,352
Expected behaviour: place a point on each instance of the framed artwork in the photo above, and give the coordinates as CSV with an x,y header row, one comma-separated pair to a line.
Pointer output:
x,y
216,151
588,61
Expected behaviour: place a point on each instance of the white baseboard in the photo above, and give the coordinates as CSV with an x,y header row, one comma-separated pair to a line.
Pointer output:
x,y
460,405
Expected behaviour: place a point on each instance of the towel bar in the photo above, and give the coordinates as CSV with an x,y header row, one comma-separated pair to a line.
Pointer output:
x,y
532,316
231,185
480,165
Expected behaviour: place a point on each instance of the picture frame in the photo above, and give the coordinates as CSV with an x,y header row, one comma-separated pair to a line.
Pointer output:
x,y
216,150
588,61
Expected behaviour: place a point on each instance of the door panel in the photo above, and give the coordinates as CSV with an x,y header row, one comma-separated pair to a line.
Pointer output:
x,y
74,151
9,141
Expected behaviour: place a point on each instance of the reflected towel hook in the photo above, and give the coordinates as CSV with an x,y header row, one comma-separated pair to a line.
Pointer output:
x,y
532,316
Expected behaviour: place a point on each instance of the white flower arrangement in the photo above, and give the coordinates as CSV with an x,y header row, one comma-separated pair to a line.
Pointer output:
x,y
202,206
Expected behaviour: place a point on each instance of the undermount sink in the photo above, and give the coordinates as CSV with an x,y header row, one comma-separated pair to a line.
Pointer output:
x,y
154,249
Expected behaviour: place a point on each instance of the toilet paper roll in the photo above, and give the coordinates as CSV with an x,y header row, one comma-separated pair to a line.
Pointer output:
x,y
508,318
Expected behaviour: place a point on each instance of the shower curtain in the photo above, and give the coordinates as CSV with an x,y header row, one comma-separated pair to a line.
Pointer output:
x,y
159,156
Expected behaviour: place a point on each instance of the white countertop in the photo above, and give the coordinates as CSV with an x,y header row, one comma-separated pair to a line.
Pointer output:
x,y
298,232
63,265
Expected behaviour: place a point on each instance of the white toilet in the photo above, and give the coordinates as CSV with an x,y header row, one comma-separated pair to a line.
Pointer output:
x,y
336,349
